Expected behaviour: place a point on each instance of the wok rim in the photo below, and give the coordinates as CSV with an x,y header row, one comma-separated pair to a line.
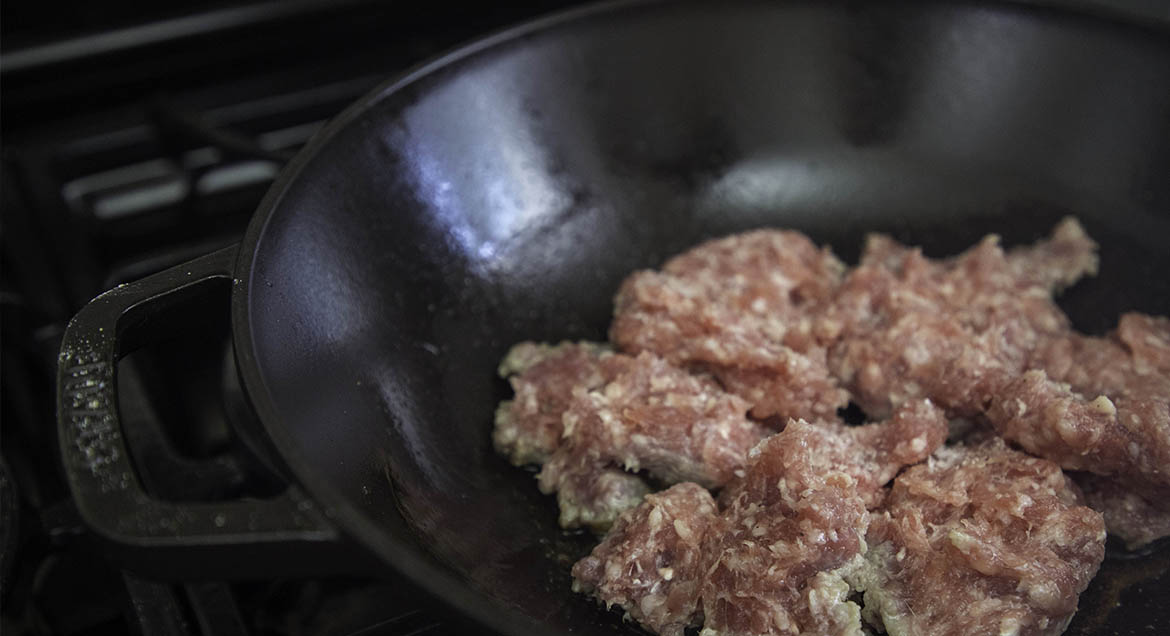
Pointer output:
x,y
405,559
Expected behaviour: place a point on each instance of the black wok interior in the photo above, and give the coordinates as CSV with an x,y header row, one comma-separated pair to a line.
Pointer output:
x,y
502,196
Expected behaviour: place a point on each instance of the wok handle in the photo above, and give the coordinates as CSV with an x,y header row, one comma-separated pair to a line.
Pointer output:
x,y
286,534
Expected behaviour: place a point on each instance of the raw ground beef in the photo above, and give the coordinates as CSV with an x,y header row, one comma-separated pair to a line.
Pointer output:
x,y
742,309
727,371
1128,438
1101,405
1128,516
771,563
544,379
1148,340
775,554
651,562
1100,366
872,454
952,330
528,428
980,540
653,417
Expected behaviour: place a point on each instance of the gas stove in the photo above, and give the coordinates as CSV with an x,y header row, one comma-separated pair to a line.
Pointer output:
x,y
135,139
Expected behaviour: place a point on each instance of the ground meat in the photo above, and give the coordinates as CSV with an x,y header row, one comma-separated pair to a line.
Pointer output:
x,y
653,417
798,512
1102,405
982,540
1125,437
741,308
1098,404
879,451
778,553
790,385
1105,366
1148,340
872,454
544,379
651,563
952,330
916,355
594,497
1128,516
775,278
1067,256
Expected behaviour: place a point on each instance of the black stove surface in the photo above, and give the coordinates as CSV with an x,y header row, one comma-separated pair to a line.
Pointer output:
x,y
135,138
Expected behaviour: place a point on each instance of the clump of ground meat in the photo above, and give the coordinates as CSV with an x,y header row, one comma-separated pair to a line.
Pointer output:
x,y
1128,516
755,341
651,562
1148,341
953,330
873,453
1102,405
529,428
653,417
741,308
1124,437
980,335
770,563
877,452
980,540
1058,262
544,379
777,553
1123,364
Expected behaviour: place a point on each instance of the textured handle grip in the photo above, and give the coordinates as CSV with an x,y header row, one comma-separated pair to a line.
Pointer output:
x,y
234,539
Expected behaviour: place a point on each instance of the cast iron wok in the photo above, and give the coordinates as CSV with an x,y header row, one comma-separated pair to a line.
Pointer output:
x,y
502,192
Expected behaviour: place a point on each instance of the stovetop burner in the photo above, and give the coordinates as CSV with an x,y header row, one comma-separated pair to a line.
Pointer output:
x,y
134,142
